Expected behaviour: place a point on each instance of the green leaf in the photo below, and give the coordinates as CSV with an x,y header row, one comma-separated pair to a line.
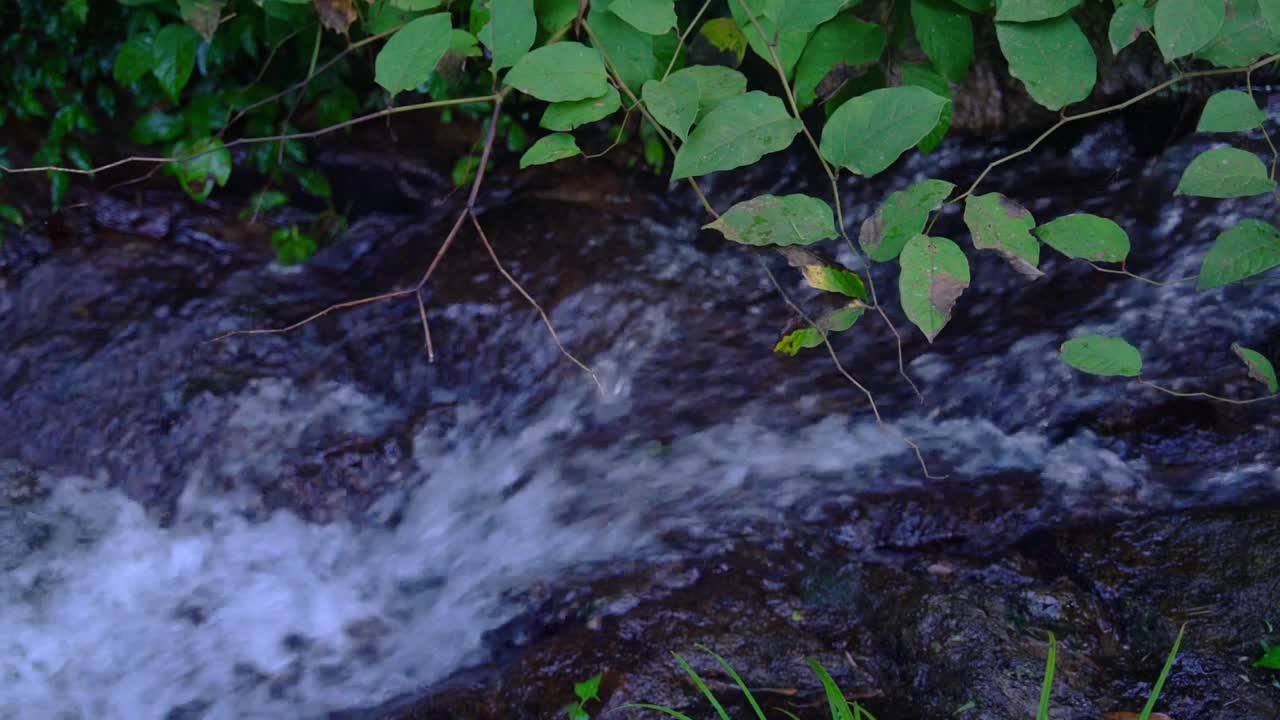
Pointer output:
x,y
411,54
1053,58
1086,237
724,34
416,5
1158,687
313,182
211,166
1130,21
901,217
588,689
560,72
868,133
945,34
1225,172
262,202
831,321
1270,658
1245,37
1102,355
510,31
291,245
845,41
925,77
776,220
572,114
689,94
1270,11
1185,26
654,17
10,214
738,132
549,149
555,14
974,6
174,57
1260,368
934,274
157,126
1230,111
134,60
800,15
823,274
1249,248
1000,224
1032,10
59,183
383,16
631,51
787,43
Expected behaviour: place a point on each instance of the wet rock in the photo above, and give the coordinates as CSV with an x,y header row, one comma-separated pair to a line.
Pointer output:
x,y
911,645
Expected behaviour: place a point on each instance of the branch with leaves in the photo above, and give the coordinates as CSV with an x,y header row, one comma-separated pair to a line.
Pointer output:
x,y
862,87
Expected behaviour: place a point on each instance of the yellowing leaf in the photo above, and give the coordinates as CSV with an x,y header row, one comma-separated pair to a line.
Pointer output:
x,y
774,220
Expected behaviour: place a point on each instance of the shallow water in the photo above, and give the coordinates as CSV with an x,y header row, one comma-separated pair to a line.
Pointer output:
x,y
289,525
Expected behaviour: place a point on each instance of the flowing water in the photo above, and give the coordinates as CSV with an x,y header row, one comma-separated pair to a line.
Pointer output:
x,y
283,526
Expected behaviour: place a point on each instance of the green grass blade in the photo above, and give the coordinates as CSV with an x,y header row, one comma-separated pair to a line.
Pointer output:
x,y
666,710
835,697
788,713
703,687
1047,688
1164,675
737,679
860,712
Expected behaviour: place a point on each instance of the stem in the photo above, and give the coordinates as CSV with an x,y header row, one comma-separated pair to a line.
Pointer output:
x,y
162,160
1204,395
1067,119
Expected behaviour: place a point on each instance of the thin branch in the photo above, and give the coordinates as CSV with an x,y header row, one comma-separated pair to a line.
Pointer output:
x,y
426,329
297,100
546,320
257,140
1204,395
416,290
831,350
303,83
683,37
1275,154
662,133
1125,272
1067,119
316,316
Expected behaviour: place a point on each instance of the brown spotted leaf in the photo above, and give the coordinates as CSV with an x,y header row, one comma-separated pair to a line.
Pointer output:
x,y
934,273
1000,224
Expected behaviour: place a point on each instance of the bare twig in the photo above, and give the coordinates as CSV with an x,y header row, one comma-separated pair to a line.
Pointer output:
x,y
546,320
835,358
1068,119
685,36
435,261
169,159
1125,272
1204,395
426,329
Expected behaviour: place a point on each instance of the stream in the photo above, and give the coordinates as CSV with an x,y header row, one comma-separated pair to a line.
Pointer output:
x,y
323,522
